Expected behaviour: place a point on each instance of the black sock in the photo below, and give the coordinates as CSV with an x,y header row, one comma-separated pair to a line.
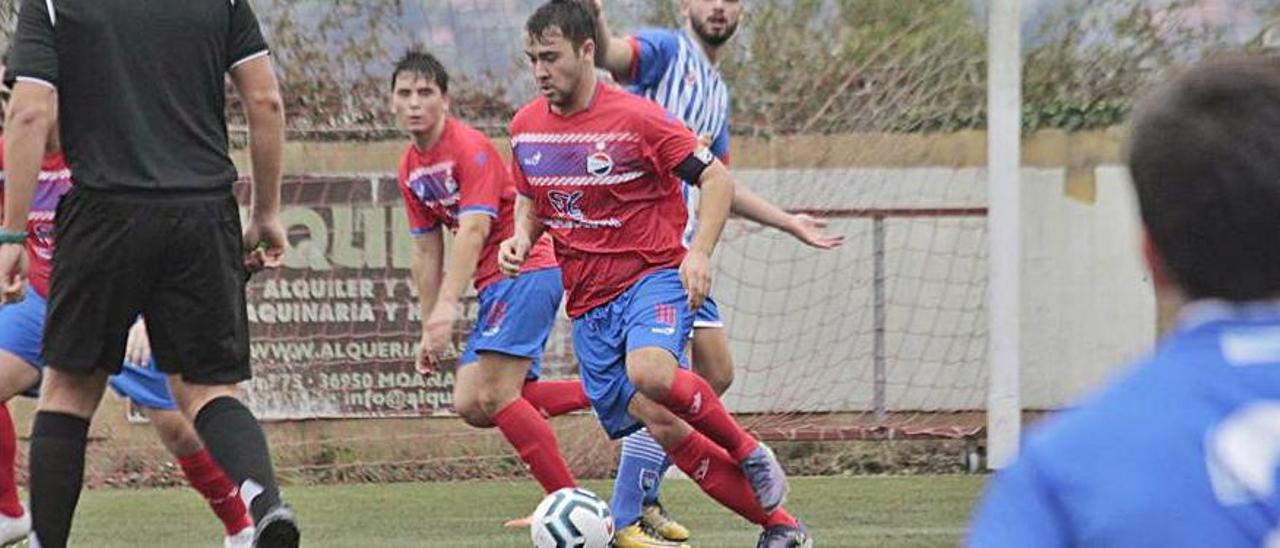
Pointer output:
x,y
56,461
236,441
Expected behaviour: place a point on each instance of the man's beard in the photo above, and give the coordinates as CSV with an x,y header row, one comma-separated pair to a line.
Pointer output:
x,y
715,40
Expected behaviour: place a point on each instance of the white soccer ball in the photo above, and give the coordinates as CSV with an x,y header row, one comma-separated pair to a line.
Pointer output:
x,y
572,518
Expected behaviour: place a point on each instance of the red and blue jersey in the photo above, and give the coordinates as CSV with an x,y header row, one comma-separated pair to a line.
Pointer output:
x,y
603,182
461,175
54,181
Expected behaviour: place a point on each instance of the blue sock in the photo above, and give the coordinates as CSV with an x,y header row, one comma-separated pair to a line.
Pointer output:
x,y
639,470
651,494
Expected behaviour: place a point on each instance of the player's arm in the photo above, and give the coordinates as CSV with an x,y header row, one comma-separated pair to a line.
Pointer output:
x,y
803,227
528,229
427,268
252,74
255,81
528,225
473,230
613,53
26,133
714,201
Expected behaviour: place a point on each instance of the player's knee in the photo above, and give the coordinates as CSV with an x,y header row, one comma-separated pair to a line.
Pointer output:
x,y
493,399
651,371
468,407
720,379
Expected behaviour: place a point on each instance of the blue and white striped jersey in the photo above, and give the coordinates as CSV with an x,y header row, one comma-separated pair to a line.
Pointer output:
x,y
670,69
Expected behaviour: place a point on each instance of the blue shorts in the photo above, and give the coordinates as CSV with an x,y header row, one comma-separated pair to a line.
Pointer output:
x,y
21,333
708,315
145,385
652,313
21,328
515,318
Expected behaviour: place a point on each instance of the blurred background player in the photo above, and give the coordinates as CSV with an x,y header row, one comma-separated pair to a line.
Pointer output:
x,y
21,331
452,177
600,170
677,68
1182,450
150,227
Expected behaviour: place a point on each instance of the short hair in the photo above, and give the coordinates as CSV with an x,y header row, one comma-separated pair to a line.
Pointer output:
x,y
575,21
424,64
1205,161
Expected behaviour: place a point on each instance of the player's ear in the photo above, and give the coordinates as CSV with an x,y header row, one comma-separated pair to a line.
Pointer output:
x,y
589,49
1155,263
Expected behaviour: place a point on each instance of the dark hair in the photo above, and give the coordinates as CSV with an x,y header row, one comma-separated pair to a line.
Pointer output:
x,y
425,64
1205,162
574,20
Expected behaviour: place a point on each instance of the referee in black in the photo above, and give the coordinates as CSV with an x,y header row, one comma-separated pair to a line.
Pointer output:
x,y
151,226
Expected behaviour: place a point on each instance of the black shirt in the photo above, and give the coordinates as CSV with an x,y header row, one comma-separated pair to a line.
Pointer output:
x,y
141,85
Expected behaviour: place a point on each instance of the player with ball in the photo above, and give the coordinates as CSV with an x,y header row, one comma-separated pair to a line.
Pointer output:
x,y
600,170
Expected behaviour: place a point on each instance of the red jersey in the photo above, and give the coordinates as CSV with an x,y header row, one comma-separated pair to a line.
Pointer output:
x,y
603,182
462,174
54,181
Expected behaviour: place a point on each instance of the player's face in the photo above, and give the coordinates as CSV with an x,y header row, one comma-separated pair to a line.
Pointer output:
x,y
418,102
714,21
558,67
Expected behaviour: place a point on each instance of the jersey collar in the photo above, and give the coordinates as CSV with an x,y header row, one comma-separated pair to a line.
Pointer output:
x,y
1200,313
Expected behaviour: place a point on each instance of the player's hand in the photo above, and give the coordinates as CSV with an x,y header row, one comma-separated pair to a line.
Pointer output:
x,y
695,274
704,140
137,351
436,334
425,363
811,230
13,272
594,6
264,244
512,253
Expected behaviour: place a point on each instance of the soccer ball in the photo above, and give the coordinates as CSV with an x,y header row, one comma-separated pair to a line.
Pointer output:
x,y
572,518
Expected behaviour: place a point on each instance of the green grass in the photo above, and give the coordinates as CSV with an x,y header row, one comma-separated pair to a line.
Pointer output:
x,y
842,511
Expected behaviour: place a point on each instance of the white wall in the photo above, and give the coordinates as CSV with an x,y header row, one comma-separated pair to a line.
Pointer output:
x,y
801,321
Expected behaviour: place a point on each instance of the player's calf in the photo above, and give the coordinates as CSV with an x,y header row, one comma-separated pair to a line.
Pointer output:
x,y
555,398
709,350
694,401
202,473
175,432
498,394
708,464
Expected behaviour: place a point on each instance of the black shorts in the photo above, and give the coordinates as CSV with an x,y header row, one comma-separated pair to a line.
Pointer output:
x,y
177,259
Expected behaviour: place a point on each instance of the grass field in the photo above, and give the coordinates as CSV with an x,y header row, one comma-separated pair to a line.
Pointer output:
x,y
907,511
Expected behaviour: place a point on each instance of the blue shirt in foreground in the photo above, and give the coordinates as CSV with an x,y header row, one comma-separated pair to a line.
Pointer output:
x,y
1180,451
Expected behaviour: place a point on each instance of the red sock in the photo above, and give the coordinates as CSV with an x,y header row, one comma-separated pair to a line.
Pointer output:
x,y
719,476
9,503
535,442
693,400
555,398
223,497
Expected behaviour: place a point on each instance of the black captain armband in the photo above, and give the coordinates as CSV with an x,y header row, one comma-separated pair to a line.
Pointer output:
x,y
7,237
692,167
